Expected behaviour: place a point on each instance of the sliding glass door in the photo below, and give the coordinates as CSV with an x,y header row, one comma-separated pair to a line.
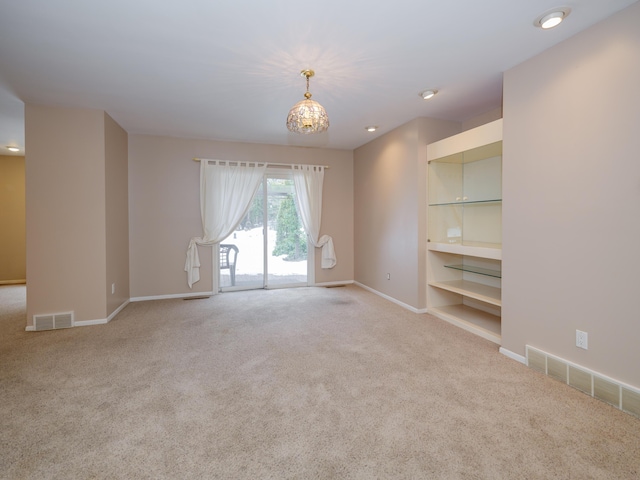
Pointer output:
x,y
286,242
269,248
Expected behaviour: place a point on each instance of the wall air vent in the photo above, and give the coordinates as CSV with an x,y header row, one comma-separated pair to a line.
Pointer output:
x,y
53,321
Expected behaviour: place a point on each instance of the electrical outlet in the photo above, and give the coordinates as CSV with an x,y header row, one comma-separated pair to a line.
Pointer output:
x,y
113,288
388,276
582,339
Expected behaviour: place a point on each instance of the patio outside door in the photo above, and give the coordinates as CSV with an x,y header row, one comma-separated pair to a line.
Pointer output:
x,y
272,247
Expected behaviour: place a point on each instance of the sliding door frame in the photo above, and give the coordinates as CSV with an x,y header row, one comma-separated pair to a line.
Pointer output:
x,y
272,172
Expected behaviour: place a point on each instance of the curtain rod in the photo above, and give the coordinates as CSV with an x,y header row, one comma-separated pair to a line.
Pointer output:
x,y
269,164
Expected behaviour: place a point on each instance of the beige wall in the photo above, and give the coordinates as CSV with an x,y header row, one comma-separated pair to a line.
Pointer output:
x,y
75,162
65,212
116,214
571,211
13,248
164,207
390,210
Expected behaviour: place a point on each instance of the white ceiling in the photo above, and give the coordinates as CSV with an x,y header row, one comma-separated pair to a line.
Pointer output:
x,y
230,70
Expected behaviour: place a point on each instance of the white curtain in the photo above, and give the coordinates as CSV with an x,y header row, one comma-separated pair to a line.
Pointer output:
x,y
308,180
225,197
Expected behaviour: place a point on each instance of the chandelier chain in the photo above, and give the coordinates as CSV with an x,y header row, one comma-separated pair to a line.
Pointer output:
x,y
307,73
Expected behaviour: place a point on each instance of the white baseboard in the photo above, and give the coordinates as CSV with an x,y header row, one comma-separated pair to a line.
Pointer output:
x,y
102,321
391,299
332,284
87,323
171,296
205,294
118,310
513,356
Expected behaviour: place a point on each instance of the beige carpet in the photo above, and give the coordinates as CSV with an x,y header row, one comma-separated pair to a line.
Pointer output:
x,y
304,383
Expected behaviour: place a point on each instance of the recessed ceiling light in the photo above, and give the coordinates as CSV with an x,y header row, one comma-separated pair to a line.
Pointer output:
x,y
12,148
427,94
552,18
371,128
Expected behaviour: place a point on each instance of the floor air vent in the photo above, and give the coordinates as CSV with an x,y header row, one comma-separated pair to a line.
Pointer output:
x,y
53,322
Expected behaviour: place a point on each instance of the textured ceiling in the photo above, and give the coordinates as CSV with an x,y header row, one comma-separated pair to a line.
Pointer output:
x,y
230,70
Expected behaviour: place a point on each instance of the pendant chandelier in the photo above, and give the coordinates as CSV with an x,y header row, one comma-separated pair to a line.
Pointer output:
x,y
307,116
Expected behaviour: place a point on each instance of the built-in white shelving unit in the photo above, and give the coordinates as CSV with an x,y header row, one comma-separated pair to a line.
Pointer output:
x,y
464,250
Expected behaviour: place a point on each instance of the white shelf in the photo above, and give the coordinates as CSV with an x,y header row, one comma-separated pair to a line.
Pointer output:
x,y
464,225
471,319
492,251
469,140
477,291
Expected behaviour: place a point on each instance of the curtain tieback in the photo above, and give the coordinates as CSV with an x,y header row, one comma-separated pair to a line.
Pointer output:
x,y
192,263
328,252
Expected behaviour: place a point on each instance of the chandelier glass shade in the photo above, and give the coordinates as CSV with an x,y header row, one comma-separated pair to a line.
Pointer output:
x,y
307,116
